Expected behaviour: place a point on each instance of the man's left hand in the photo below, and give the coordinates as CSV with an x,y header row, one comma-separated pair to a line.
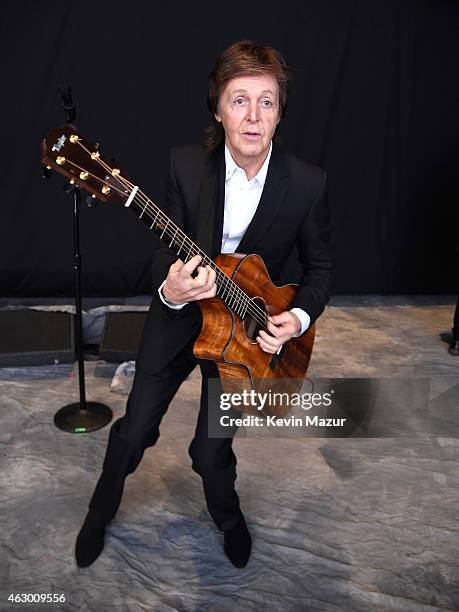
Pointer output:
x,y
282,327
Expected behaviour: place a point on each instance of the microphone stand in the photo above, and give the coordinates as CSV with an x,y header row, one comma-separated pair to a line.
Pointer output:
x,y
82,416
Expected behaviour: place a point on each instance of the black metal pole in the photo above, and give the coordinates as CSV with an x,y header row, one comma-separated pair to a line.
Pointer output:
x,y
78,308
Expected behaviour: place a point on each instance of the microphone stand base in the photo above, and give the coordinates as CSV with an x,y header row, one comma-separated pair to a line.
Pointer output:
x,y
75,418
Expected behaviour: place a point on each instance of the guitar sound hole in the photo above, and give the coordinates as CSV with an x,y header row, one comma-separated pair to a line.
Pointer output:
x,y
252,323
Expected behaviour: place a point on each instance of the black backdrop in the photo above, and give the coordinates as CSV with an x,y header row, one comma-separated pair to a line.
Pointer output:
x,y
375,102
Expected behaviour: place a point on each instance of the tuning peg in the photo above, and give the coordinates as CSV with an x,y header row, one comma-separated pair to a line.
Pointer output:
x,y
46,172
69,186
91,201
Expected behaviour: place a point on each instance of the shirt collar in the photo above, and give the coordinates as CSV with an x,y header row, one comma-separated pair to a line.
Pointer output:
x,y
231,166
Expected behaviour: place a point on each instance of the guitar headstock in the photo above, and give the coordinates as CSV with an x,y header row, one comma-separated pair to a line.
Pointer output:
x,y
80,161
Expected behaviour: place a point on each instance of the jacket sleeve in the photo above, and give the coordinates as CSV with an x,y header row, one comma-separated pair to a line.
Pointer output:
x,y
314,254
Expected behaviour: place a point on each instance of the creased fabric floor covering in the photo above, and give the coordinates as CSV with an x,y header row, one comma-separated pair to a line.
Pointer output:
x,y
338,524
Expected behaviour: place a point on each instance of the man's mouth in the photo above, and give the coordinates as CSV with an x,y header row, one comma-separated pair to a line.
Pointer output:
x,y
252,134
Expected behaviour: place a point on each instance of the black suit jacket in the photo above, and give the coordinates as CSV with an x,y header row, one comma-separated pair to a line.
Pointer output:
x,y
293,211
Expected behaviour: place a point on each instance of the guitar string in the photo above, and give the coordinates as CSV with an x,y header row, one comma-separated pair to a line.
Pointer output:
x,y
252,308
145,200
153,213
140,199
230,292
236,298
228,285
234,289
246,301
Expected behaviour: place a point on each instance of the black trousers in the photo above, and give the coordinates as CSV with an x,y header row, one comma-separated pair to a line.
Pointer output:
x,y
212,458
456,322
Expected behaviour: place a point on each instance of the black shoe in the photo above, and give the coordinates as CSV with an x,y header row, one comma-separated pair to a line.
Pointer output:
x,y
454,347
238,544
89,542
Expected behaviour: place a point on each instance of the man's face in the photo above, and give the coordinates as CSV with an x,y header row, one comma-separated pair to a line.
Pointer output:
x,y
249,111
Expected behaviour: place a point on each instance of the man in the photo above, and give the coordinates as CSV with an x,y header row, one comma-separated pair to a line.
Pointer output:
x,y
242,193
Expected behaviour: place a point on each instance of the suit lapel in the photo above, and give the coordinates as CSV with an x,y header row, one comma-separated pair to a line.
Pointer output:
x,y
272,197
219,202
209,204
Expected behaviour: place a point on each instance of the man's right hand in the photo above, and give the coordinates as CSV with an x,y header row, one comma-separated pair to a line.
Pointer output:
x,y
180,287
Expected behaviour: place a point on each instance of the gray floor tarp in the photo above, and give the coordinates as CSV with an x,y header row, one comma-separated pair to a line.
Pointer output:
x,y
337,523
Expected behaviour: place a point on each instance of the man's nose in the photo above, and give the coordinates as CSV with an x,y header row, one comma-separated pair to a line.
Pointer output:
x,y
253,111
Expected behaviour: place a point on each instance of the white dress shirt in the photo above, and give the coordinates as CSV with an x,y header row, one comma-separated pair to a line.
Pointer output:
x,y
242,197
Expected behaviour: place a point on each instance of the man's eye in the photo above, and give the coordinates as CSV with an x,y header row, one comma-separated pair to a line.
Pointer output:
x,y
239,101
267,103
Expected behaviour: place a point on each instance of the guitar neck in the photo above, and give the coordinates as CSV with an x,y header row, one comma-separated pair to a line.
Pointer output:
x,y
170,234
81,162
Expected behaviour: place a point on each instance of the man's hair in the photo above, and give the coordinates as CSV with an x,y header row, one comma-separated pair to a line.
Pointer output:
x,y
243,58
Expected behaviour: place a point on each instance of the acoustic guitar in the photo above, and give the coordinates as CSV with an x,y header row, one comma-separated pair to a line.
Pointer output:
x,y
245,297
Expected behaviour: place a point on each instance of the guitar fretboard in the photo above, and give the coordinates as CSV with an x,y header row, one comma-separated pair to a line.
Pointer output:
x,y
227,290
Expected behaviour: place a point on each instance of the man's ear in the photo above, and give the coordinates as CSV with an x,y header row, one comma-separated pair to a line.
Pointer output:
x,y
217,117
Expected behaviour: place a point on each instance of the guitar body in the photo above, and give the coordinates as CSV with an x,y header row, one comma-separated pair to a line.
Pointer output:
x,y
230,342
